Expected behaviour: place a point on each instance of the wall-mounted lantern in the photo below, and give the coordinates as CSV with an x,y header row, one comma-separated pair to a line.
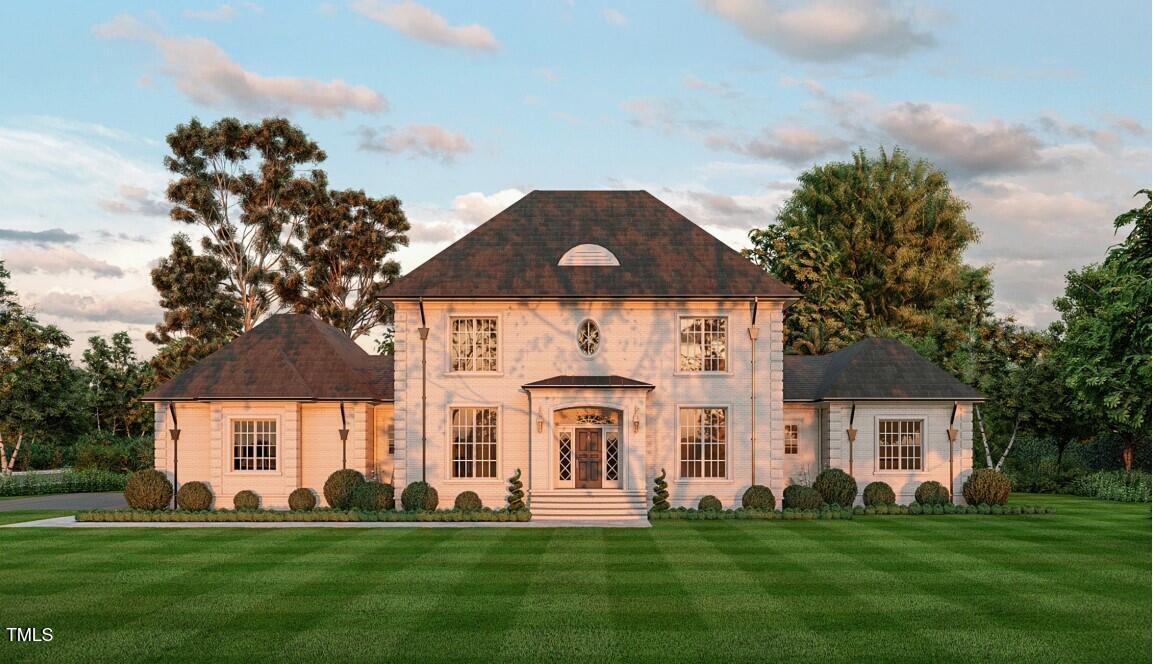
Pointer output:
x,y
636,420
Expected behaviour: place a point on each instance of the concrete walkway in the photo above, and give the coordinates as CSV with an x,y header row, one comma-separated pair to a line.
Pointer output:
x,y
71,522
65,501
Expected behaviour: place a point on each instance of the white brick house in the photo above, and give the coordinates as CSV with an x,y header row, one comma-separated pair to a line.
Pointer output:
x,y
590,339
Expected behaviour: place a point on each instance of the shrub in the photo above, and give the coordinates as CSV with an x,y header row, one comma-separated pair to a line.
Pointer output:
x,y
836,487
301,500
879,493
711,503
467,501
69,481
515,498
1125,487
932,493
194,496
421,496
246,500
340,488
148,490
759,497
660,493
801,497
374,497
986,486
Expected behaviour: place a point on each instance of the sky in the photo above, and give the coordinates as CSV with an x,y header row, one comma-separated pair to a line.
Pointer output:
x,y
1039,112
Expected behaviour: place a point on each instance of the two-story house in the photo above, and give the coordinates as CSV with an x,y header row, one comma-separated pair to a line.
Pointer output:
x,y
592,339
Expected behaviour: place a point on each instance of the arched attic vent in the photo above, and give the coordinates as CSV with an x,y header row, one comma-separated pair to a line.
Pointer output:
x,y
588,254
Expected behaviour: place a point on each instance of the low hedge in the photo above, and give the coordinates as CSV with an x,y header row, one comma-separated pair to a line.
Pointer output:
x,y
68,481
917,509
322,515
787,514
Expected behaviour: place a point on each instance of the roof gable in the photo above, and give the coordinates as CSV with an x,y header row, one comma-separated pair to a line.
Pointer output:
x,y
518,254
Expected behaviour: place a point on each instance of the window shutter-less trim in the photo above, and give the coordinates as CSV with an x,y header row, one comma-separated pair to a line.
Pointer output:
x,y
589,254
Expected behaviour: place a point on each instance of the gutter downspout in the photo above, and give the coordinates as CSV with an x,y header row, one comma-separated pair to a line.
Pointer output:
x,y
343,439
528,494
754,332
174,433
851,434
952,432
423,331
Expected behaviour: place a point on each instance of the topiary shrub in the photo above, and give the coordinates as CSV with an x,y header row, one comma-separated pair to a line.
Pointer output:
x,y
246,500
340,488
467,501
194,496
986,486
515,499
758,497
660,493
710,503
301,500
836,487
420,496
800,497
931,493
879,493
374,497
148,490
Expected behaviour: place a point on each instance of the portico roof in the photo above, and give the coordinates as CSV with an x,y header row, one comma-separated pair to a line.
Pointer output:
x,y
575,382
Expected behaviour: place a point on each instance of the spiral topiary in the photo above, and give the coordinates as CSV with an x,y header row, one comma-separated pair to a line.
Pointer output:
x,y
246,500
800,497
986,486
932,493
515,499
836,487
758,497
660,493
194,496
301,500
374,497
710,503
467,501
879,493
419,496
340,488
148,490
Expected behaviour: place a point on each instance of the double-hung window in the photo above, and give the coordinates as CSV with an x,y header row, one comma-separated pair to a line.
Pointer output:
x,y
474,441
704,344
474,344
899,445
703,442
254,445
792,439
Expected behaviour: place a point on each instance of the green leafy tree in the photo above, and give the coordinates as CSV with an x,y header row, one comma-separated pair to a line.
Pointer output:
x,y
1105,335
341,266
116,379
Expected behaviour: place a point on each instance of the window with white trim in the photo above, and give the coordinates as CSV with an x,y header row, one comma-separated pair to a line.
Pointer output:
x,y
792,439
703,442
899,444
474,344
474,440
704,344
254,444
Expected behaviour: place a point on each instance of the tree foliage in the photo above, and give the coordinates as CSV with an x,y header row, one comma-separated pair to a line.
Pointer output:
x,y
116,380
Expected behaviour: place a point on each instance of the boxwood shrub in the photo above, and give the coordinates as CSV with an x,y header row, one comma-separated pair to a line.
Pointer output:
x,y
148,490
710,503
932,493
374,496
986,486
759,497
798,496
301,500
467,501
836,487
194,497
246,500
419,496
340,488
879,493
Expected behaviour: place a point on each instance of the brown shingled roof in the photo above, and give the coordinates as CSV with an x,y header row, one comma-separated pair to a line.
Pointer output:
x,y
288,356
871,369
516,253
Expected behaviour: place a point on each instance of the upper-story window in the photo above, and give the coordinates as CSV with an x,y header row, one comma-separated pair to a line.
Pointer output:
x,y
474,344
588,337
704,343
792,439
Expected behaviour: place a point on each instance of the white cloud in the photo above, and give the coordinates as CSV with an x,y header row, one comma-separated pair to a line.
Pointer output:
x,y
716,87
208,76
665,115
135,308
56,260
476,208
50,236
825,30
221,13
131,199
419,140
421,23
796,146
614,17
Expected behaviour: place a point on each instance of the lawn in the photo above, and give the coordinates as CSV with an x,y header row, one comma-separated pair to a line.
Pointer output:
x,y
1073,586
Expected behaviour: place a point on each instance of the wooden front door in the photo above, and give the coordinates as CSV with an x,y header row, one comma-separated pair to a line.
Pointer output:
x,y
588,458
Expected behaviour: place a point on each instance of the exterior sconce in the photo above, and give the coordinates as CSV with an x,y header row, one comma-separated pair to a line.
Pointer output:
x,y
852,434
952,433
539,421
636,420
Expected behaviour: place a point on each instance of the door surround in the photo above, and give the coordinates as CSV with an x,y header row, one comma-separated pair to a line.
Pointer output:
x,y
572,421
590,460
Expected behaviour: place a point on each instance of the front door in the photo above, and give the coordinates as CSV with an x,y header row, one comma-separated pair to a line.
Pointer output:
x,y
588,458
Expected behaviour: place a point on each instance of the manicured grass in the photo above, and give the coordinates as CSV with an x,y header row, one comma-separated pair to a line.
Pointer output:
x,y
1073,586
17,516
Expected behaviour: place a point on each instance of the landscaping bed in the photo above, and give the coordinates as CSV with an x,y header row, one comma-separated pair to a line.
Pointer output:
x,y
313,516
837,512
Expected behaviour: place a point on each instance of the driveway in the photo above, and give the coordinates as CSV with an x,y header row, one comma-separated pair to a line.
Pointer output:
x,y
65,501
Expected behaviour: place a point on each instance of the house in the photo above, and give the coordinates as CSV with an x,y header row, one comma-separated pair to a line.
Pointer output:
x,y
592,339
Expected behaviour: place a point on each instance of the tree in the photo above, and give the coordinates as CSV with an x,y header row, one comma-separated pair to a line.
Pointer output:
x,y
239,183
875,247
1105,334
340,269
201,313
116,380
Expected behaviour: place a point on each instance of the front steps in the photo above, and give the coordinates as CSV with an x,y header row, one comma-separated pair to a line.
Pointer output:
x,y
587,504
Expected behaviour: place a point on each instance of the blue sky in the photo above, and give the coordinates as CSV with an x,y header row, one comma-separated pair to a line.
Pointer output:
x,y
1039,112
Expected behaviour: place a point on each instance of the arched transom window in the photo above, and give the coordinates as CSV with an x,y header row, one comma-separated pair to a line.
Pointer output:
x,y
589,337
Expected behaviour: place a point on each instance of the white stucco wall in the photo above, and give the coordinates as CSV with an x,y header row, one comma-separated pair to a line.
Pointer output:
x,y
802,467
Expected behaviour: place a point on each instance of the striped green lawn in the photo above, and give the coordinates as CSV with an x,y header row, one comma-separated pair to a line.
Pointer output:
x,y
1074,586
